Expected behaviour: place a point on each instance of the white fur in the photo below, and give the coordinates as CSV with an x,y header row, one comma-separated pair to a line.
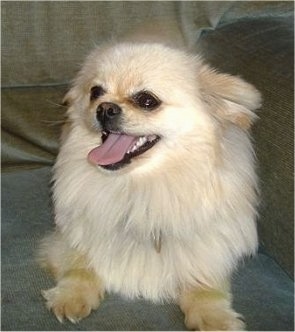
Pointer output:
x,y
197,186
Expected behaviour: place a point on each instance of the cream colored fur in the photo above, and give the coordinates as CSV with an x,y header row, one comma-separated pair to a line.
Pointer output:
x,y
197,186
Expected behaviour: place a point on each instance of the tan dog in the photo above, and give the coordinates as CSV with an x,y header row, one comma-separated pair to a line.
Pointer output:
x,y
154,185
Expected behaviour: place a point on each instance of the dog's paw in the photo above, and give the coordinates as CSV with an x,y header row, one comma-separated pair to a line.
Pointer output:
x,y
72,303
214,319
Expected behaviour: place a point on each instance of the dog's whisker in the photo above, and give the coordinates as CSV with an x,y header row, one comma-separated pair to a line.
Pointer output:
x,y
56,104
54,122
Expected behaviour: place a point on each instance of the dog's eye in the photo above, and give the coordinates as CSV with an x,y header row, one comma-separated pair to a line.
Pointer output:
x,y
146,100
96,92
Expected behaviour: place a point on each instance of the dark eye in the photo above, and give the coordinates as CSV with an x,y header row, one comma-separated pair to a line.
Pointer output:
x,y
96,92
146,100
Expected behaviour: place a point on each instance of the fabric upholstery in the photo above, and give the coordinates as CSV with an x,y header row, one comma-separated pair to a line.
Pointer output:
x,y
31,122
44,42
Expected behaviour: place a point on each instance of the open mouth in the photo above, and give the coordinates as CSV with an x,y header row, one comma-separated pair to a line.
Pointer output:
x,y
117,149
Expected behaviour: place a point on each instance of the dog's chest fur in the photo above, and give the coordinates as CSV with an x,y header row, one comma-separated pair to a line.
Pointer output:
x,y
113,220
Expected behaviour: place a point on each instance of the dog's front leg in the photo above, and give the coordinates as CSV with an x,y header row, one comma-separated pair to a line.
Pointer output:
x,y
78,290
208,309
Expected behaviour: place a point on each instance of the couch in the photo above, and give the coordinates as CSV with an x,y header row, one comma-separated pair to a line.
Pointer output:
x,y
43,45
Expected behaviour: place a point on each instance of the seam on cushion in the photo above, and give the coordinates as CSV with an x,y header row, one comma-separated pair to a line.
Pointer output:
x,y
25,139
45,85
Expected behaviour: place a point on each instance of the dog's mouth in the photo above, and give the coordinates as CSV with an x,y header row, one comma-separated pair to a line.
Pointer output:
x,y
117,149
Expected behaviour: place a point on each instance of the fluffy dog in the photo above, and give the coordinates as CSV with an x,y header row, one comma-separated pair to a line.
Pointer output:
x,y
155,189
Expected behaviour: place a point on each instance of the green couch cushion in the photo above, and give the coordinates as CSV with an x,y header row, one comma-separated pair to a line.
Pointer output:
x,y
44,42
31,123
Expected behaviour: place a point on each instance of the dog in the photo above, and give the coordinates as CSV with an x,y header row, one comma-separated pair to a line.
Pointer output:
x,y
154,187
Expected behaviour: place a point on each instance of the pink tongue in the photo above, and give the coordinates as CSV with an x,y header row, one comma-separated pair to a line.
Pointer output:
x,y
112,150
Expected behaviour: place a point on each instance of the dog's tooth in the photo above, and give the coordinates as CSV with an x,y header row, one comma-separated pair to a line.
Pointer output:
x,y
152,138
141,141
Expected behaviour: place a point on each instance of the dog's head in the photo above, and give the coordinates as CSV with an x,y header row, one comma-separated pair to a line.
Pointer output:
x,y
147,104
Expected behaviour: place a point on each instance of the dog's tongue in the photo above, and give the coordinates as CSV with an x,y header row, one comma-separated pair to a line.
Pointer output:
x,y
112,150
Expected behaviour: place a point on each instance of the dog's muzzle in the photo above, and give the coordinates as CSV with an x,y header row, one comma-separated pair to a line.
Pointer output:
x,y
117,147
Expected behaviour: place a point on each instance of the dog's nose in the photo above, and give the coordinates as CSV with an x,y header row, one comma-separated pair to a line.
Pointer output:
x,y
107,112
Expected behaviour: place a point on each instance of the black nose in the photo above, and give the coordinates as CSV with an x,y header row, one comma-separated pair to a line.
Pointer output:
x,y
107,112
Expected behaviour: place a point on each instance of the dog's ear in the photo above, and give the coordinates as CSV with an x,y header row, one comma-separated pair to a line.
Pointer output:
x,y
67,99
229,98
80,84
71,96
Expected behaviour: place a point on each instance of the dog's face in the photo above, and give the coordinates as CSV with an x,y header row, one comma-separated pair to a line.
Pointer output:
x,y
149,104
